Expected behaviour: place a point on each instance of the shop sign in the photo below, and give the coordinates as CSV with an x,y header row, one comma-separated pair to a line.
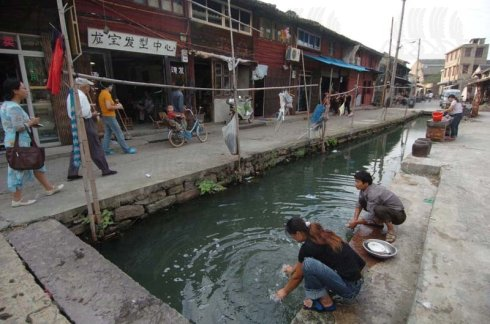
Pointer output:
x,y
8,41
177,69
114,40
184,56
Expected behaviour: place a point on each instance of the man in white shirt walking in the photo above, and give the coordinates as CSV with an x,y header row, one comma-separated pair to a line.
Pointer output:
x,y
96,151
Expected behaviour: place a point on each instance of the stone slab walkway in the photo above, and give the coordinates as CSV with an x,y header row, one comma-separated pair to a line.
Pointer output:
x,y
84,284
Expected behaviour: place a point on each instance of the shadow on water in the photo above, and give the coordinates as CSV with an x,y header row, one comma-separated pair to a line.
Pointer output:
x,y
217,259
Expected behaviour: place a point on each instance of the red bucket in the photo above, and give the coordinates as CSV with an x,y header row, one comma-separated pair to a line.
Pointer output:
x,y
437,116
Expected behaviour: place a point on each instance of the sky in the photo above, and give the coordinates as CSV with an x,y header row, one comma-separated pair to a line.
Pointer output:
x,y
442,25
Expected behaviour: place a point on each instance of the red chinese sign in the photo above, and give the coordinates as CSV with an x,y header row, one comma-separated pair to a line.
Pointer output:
x,y
8,41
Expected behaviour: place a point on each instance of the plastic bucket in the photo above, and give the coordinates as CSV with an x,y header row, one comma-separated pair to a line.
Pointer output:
x,y
437,116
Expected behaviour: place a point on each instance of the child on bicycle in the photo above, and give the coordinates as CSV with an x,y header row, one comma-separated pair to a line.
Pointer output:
x,y
176,120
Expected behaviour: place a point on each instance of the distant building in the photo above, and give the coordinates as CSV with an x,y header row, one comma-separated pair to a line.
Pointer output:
x,y
402,82
461,62
429,74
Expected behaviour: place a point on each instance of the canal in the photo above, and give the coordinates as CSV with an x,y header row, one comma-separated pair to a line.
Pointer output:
x,y
217,259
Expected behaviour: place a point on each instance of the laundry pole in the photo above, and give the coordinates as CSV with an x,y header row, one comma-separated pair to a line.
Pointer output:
x,y
89,185
235,96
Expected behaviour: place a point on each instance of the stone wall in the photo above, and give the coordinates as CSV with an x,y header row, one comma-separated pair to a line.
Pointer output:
x,y
132,206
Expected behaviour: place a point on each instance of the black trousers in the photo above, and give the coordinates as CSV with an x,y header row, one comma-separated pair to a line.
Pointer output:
x,y
385,214
96,152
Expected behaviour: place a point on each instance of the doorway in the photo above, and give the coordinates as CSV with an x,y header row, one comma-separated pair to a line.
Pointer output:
x,y
9,68
259,98
204,98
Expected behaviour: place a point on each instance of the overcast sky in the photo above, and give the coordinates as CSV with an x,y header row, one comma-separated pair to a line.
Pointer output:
x,y
442,25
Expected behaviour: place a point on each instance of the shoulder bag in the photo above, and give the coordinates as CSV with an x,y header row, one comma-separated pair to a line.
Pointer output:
x,y
25,158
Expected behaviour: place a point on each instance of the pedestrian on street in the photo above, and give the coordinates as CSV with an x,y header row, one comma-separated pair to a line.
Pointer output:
x,y
178,99
383,206
111,126
330,267
15,119
348,99
96,151
455,110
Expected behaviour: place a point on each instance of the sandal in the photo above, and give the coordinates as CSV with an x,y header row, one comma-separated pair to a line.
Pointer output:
x,y
318,307
390,237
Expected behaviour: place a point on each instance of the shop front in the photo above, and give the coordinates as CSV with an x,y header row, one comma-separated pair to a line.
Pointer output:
x,y
22,57
135,58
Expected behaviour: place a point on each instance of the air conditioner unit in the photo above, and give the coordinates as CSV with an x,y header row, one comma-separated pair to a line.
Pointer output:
x,y
293,54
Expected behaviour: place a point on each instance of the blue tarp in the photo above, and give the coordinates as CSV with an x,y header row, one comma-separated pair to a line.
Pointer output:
x,y
337,62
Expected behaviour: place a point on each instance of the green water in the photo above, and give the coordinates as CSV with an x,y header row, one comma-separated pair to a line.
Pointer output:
x,y
217,259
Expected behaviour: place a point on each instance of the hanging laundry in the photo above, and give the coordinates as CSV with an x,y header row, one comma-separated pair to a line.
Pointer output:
x,y
56,66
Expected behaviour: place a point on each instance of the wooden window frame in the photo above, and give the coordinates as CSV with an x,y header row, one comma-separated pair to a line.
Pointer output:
x,y
242,26
317,40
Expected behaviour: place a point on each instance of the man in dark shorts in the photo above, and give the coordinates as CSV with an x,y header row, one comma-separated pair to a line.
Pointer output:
x,y
383,206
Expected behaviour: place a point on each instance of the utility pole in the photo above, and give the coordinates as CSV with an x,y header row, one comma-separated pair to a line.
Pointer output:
x,y
387,70
395,63
417,68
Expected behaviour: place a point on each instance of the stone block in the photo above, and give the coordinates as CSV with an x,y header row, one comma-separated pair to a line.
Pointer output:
x,y
128,212
187,195
151,198
79,229
175,189
165,202
189,185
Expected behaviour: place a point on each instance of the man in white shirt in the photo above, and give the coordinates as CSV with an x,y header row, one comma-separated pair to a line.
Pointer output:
x,y
96,152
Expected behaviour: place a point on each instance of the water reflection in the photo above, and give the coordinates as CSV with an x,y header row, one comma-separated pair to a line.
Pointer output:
x,y
217,259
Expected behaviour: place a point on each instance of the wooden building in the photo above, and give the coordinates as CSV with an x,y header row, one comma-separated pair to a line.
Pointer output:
x,y
182,42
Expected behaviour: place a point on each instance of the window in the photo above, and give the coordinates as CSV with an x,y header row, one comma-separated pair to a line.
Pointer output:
x,y
465,68
308,40
445,72
222,78
479,52
331,48
216,13
271,30
174,6
467,52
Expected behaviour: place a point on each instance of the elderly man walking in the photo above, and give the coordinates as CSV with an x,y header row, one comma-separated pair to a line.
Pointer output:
x,y
96,151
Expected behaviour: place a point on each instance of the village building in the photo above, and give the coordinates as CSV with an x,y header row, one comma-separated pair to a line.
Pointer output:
x,y
460,64
176,42
402,82
429,75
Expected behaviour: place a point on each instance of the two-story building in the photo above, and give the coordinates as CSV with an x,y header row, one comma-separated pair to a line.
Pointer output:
x,y
174,42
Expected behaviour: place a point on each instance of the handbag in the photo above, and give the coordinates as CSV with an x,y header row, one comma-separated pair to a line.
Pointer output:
x,y
25,158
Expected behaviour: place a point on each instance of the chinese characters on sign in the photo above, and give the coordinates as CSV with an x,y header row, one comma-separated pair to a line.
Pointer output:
x,y
8,41
130,43
177,69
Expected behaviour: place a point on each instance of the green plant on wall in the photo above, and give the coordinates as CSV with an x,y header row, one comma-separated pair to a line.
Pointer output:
x,y
210,187
106,220
332,142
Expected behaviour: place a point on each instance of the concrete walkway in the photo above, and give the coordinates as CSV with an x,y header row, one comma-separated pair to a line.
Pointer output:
x,y
444,286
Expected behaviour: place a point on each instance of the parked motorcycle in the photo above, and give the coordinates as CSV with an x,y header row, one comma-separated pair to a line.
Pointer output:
x,y
244,108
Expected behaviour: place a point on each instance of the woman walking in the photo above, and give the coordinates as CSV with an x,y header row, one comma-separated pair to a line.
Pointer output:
x,y
330,267
15,119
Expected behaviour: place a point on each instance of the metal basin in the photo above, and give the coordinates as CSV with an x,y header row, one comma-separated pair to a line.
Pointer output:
x,y
379,249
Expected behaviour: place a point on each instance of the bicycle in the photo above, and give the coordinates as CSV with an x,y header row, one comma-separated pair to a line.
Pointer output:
x,y
177,137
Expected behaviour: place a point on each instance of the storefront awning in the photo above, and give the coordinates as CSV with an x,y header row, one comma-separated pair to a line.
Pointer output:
x,y
336,62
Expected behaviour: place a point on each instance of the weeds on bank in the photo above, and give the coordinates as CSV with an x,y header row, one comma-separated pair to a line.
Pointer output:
x,y
210,187
106,220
